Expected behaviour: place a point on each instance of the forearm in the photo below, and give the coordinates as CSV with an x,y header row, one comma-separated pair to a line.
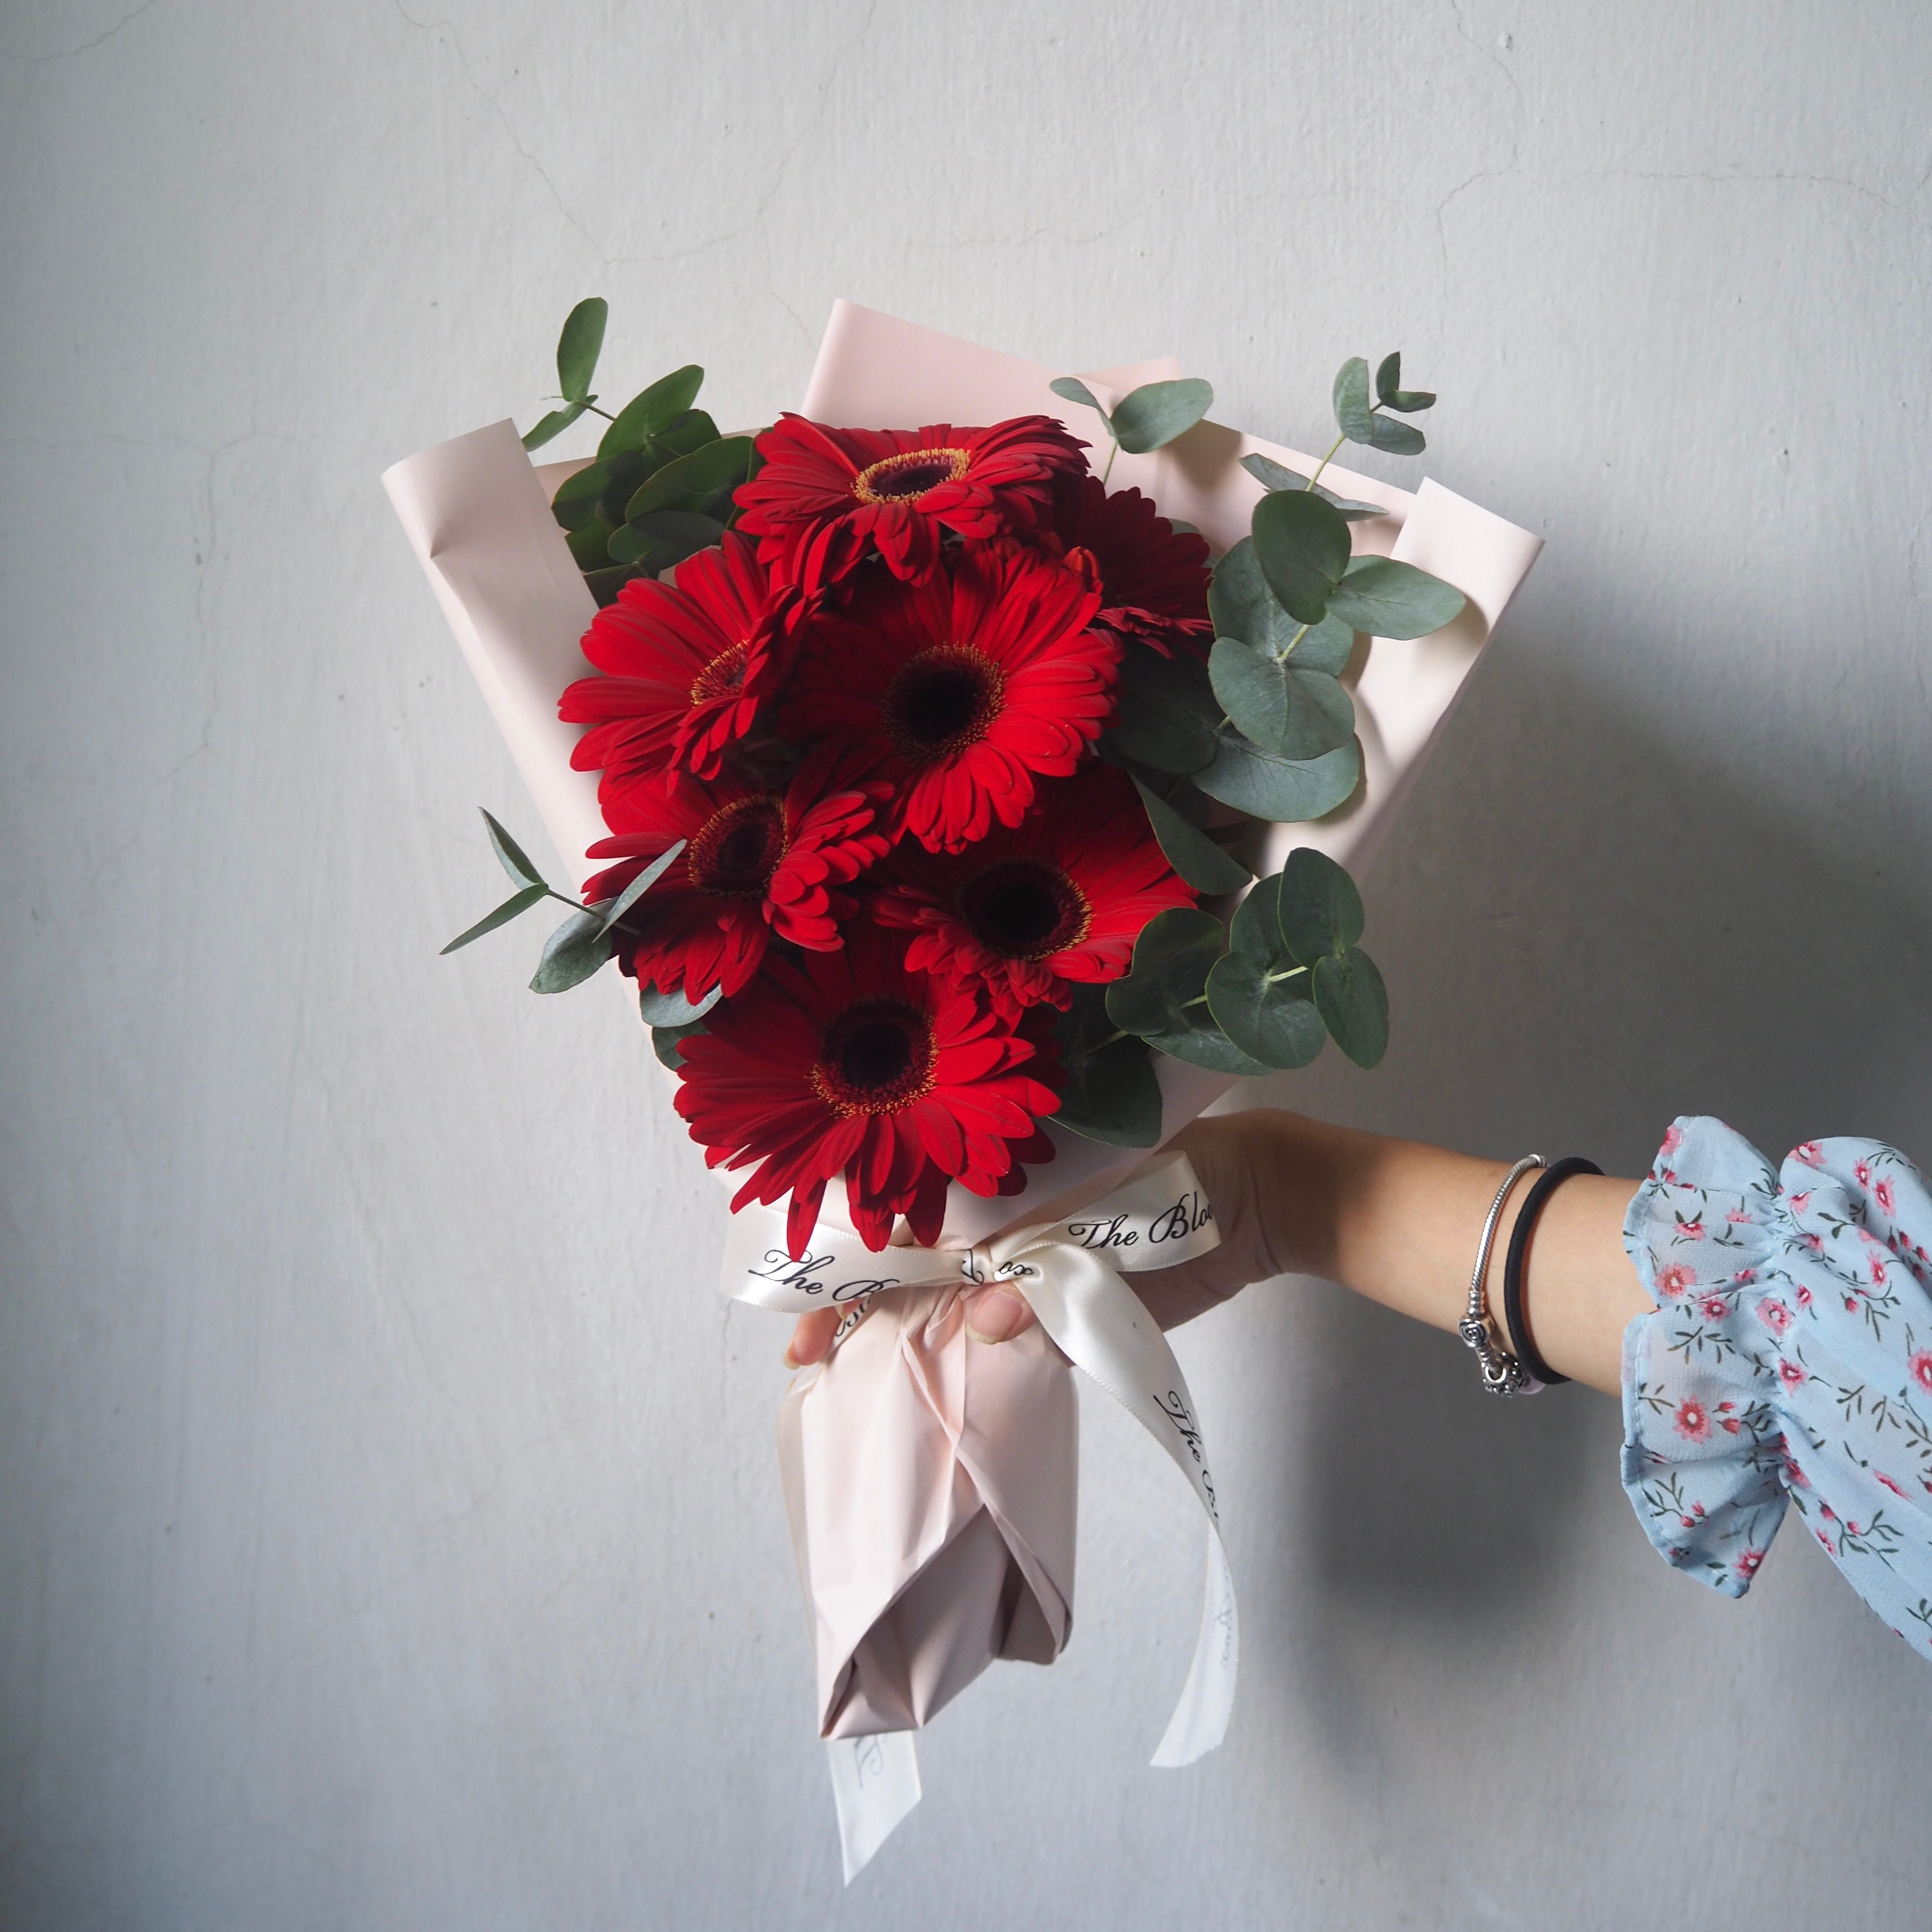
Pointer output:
x,y
1399,1221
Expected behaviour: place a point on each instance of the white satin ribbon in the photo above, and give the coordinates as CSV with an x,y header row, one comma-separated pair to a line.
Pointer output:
x,y
1070,1273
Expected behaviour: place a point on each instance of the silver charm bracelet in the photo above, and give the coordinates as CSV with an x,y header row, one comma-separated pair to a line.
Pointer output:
x,y
1502,1373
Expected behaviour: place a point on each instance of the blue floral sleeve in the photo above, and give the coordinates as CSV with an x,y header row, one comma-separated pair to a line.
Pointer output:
x,y
1788,1364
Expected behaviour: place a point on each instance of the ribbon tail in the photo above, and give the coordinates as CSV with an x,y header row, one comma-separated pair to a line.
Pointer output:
x,y
1104,1329
1200,1720
875,1785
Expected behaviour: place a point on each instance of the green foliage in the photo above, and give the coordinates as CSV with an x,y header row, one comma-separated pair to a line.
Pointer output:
x,y
1150,417
1257,992
511,856
668,1042
1175,809
1391,393
651,412
1165,714
577,349
1164,998
672,1013
1280,707
1390,599
1109,1090
1071,389
579,346
1285,790
1302,545
1273,475
1320,914
641,885
573,952
517,903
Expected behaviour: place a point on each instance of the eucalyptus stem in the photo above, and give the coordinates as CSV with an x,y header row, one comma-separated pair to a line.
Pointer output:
x,y
1113,451
1327,460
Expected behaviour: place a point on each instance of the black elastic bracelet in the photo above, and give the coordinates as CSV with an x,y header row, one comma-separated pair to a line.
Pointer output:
x,y
1547,1183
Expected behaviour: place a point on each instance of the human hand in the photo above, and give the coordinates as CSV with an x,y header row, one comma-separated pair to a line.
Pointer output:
x,y
1251,1186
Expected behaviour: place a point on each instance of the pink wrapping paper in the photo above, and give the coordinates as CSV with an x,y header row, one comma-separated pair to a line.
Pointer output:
x,y
931,1480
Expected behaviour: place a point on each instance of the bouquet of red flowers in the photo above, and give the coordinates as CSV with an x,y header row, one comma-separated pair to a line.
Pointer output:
x,y
956,813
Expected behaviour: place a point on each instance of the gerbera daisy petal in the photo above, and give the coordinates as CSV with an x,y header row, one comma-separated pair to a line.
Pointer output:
x,y
961,688
890,1084
1027,912
824,498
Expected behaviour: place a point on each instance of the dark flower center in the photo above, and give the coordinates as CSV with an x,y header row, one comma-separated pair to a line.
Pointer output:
x,y
735,851
1024,909
899,479
875,1058
724,676
941,701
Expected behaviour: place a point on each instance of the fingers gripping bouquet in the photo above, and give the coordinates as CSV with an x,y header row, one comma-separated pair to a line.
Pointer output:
x,y
934,768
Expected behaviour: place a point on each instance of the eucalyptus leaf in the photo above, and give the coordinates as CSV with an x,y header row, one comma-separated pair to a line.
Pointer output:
x,y
1391,393
673,1010
1281,707
1399,438
650,412
1354,408
591,545
689,482
574,506
1163,997
622,473
554,424
1285,790
1326,646
1390,599
579,346
573,952
1353,1003
1150,417
641,884
1109,1090
668,1042
510,855
1317,908
1071,389
1257,995
1273,475
682,434
517,903
1302,545
1165,714
1188,850
662,538
604,585
1241,604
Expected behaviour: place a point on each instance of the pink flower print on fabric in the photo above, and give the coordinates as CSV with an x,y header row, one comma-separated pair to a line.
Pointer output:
x,y
1694,1422
1808,1343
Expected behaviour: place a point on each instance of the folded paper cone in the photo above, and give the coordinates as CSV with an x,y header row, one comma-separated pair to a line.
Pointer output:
x,y
930,1481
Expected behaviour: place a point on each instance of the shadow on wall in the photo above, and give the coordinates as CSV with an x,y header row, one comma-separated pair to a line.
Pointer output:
x,y
1583,938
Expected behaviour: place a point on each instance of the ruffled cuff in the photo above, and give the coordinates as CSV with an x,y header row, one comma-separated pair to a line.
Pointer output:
x,y
1788,1363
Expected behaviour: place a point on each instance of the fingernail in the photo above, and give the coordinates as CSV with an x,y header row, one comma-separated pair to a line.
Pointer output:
x,y
994,1316
791,1361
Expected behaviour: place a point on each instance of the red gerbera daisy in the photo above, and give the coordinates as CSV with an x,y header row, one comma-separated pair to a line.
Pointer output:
x,y
825,497
1060,897
846,1063
1153,578
963,687
686,664
755,862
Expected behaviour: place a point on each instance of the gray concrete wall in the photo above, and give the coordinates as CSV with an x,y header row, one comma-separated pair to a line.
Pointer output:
x,y
389,1532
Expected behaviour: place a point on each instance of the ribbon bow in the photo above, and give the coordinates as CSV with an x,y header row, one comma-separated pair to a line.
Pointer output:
x,y
1069,1271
